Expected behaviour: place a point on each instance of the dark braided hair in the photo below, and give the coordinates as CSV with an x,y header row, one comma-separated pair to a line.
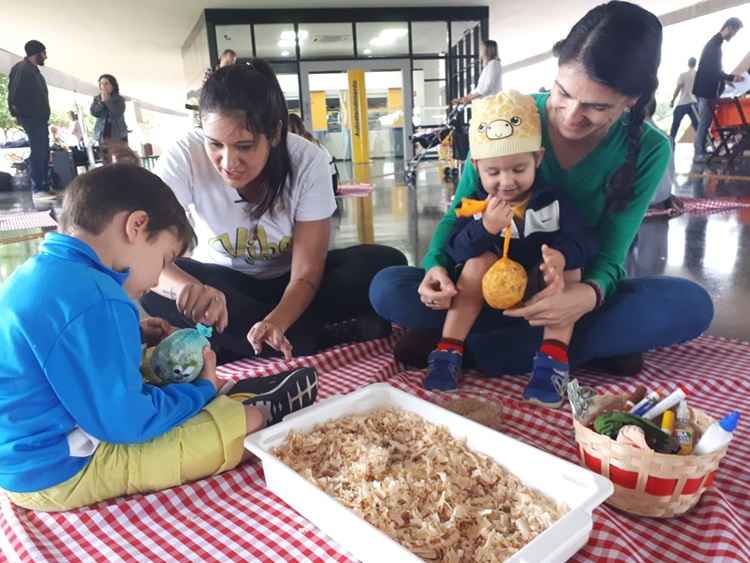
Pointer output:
x,y
619,45
253,90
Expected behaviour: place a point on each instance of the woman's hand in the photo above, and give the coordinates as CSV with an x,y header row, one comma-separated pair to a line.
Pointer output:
x,y
565,308
497,216
437,290
203,304
266,332
154,330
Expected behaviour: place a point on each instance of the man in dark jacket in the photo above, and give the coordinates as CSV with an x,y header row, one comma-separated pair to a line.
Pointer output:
x,y
708,81
28,101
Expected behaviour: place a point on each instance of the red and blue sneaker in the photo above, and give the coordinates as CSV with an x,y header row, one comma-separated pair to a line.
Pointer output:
x,y
548,382
443,371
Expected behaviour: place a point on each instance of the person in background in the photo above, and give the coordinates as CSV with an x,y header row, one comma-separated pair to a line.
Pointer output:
x,y
228,57
686,104
75,132
108,107
490,81
709,80
663,198
28,102
297,126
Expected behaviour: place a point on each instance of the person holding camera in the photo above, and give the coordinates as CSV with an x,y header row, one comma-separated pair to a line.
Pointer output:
x,y
110,131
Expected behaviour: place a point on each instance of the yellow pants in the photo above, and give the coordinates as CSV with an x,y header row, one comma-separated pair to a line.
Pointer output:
x,y
209,443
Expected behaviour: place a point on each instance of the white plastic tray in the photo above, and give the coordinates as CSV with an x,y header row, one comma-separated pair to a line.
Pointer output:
x,y
580,489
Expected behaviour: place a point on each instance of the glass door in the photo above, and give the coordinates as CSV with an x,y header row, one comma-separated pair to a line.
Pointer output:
x,y
325,99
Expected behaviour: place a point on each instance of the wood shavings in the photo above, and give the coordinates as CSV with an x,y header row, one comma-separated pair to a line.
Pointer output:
x,y
425,489
483,412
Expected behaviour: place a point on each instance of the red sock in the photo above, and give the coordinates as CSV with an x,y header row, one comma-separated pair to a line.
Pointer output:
x,y
451,344
555,349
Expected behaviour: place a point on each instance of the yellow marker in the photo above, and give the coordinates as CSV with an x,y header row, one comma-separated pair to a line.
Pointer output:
x,y
667,422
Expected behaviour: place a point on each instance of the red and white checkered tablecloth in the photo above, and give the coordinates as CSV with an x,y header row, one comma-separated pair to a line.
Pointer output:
x,y
701,206
232,517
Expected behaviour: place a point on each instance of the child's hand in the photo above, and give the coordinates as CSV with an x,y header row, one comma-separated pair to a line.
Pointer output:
x,y
209,367
553,268
497,216
154,330
265,332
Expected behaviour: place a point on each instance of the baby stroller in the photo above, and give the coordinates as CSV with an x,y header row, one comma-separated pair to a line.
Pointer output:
x,y
453,133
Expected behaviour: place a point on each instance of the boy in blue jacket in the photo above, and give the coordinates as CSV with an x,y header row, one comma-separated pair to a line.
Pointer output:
x,y
550,239
77,423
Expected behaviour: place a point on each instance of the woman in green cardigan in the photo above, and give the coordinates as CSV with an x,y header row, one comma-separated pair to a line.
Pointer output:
x,y
603,154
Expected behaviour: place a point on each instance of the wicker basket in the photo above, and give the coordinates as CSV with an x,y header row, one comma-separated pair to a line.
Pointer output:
x,y
649,483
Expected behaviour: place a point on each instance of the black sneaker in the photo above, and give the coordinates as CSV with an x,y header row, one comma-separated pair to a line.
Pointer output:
x,y
415,346
627,365
281,394
360,329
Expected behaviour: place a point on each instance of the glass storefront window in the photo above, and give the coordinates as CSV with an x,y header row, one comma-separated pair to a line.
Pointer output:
x,y
275,41
430,95
235,37
382,39
433,68
323,40
464,30
429,38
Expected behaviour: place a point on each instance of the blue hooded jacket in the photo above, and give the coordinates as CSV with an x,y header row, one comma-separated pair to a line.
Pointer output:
x,y
71,352
550,218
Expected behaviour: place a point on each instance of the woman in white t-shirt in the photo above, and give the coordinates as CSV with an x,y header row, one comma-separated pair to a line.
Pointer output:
x,y
260,200
490,80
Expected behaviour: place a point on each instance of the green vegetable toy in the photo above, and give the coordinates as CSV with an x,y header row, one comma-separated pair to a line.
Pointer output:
x,y
609,424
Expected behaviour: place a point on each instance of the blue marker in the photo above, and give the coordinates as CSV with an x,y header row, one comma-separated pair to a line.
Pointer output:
x,y
645,404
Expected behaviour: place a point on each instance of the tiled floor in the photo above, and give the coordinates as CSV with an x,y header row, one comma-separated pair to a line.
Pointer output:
x,y
713,250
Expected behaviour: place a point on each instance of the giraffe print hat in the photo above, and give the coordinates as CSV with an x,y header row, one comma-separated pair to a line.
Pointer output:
x,y
505,124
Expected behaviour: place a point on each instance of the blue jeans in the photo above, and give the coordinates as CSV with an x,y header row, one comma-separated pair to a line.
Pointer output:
x,y
643,314
705,117
679,113
38,133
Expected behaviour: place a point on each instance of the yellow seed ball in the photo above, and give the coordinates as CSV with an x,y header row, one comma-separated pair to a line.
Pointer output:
x,y
504,284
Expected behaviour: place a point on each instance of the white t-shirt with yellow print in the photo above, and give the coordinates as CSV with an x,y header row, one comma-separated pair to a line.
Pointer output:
x,y
227,234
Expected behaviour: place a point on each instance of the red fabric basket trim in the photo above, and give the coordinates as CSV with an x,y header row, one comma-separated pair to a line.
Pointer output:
x,y
660,487
627,479
692,485
593,463
710,479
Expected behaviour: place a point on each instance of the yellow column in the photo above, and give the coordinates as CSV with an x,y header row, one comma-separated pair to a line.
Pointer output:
x,y
361,152
358,116
319,111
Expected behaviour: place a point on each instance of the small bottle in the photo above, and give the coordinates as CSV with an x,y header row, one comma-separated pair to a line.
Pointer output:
x,y
683,430
718,435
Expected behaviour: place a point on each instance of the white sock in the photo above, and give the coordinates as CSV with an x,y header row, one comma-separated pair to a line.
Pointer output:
x,y
265,409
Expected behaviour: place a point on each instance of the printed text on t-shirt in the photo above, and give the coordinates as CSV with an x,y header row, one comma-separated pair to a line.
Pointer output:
x,y
251,247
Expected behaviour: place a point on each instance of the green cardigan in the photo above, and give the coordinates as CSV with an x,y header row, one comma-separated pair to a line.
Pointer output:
x,y
585,184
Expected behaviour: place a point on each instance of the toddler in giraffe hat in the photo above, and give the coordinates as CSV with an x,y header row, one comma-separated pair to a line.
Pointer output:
x,y
550,240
